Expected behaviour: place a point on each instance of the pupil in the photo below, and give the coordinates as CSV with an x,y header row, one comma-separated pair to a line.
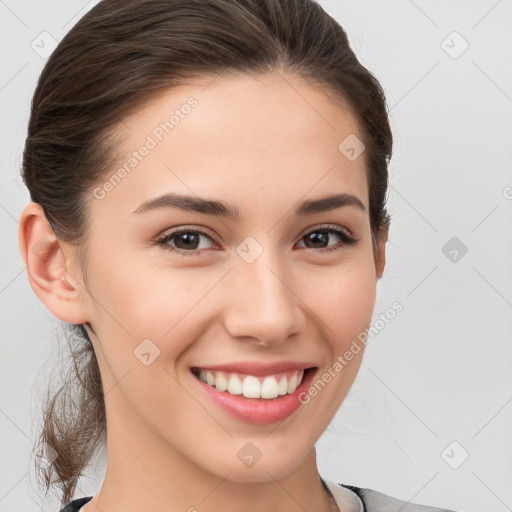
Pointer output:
x,y
318,237
189,238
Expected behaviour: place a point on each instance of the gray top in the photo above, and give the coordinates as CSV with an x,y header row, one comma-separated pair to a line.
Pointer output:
x,y
357,499
349,498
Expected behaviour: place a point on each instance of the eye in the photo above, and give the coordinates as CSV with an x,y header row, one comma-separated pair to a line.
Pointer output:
x,y
188,241
321,235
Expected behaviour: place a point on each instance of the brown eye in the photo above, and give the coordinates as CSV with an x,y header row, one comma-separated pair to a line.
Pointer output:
x,y
184,241
320,237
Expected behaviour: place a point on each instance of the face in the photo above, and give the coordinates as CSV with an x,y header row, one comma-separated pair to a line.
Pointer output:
x,y
252,277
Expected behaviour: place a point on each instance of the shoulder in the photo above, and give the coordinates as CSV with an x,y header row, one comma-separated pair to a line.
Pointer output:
x,y
74,506
375,501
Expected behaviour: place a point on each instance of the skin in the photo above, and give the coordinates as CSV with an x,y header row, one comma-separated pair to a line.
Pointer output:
x,y
262,144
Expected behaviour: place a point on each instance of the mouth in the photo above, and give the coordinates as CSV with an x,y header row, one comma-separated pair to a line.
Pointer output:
x,y
260,397
256,387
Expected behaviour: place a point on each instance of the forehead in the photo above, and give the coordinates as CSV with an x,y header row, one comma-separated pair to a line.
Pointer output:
x,y
248,140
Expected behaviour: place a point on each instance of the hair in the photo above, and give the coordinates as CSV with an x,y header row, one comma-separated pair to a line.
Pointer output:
x,y
114,60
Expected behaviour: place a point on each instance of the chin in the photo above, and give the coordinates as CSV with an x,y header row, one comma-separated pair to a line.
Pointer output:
x,y
267,468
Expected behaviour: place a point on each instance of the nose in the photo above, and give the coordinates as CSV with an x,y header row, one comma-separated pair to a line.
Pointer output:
x,y
261,304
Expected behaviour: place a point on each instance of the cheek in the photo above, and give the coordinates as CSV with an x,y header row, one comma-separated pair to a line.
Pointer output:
x,y
343,299
147,300
162,305
144,323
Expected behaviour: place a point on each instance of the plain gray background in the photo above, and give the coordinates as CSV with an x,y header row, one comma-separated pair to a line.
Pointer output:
x,y
430,414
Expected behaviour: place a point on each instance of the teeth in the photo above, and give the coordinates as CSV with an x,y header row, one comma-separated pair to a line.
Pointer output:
x,y
250,386
292,383
234,385
282,388
221,383
210,379
269,388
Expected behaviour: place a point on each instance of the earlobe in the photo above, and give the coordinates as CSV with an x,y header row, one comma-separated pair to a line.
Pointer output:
x,y
47,268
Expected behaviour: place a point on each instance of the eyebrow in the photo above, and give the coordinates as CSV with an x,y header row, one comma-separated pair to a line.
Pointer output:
x,y
221,209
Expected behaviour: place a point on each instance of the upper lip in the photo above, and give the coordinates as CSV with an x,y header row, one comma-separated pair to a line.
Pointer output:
x,y
259,369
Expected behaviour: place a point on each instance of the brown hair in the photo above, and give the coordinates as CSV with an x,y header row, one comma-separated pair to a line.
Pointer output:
x,y
116,58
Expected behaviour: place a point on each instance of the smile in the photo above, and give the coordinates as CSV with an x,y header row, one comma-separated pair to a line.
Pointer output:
x,y
253,391
251,386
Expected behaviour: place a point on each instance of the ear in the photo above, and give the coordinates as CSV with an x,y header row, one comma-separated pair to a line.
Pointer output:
x,y
380,256
48,267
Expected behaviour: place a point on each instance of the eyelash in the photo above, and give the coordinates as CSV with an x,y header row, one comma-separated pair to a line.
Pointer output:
x,y
346,239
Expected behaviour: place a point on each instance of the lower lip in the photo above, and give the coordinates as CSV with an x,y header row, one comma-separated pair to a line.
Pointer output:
x,y
260,411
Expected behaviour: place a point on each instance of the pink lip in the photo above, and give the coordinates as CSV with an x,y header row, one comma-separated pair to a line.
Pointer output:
x,y
259,411
259,369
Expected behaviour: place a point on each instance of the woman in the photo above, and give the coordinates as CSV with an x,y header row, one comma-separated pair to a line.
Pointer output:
x,y
208,183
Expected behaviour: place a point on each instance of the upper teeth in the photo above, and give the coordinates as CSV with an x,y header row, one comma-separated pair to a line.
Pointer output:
x,y
250,386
